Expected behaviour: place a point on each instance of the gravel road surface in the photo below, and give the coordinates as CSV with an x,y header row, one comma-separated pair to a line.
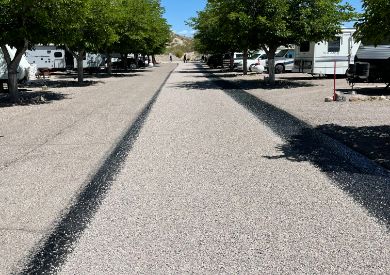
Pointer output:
x,y
49,152
205,190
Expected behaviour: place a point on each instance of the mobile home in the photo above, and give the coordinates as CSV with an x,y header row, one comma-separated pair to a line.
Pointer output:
x,y
47,57
318,58
23,69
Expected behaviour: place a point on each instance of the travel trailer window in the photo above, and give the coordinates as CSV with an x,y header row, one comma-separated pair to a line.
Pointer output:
x,y
334,46
304,47
58,54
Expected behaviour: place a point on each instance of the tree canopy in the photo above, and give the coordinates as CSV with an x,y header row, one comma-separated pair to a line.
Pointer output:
x,y
268,24
374,26
104,26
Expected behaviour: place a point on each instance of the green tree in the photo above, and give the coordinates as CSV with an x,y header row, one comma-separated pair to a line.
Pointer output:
x,y
23,24
91,29
274,23
374,26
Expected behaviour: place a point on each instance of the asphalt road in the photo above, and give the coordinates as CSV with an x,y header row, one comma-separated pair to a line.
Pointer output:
x,y
50,152
206,181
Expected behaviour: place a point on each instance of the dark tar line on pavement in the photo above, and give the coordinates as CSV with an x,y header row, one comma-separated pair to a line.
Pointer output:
x,y
60,243
365,181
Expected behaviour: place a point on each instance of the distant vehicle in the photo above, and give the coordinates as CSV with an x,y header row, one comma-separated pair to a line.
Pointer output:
x,y
215,61
47,57
319,58
131,63
227,58
371,64
23,69
284,61
253,60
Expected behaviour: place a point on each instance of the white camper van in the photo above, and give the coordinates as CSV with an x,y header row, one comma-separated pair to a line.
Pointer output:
x,y
23,69
319,58
47,57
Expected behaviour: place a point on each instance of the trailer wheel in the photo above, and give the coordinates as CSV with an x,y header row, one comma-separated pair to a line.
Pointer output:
x,y
279,68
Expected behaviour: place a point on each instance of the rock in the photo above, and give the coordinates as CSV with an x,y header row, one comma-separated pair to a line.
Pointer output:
x,y
341,98
328,99
354,99
382,97
358,98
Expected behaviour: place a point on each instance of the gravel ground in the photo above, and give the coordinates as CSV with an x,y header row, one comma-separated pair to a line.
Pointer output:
x,y
205,191
49,151
363,125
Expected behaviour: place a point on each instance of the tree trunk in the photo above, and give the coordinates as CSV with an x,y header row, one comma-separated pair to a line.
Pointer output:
x,y
231,66
154,59
12,67
271,64
136,58
245,62
125,63
13,85
80,67
109,64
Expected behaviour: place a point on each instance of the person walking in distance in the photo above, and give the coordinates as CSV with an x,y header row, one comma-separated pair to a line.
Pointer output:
x,y
185,58
170,57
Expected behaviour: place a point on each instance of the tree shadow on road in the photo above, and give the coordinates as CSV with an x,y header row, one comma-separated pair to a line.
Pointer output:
x,y
31,98
253,84
369,190
371,141
367,183
55,83
369,91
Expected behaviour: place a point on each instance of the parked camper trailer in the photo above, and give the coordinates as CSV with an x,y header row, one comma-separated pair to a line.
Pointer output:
x,y
372,64
319,58
91,62
47,57
23,69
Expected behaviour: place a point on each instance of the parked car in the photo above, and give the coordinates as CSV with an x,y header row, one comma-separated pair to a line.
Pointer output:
x,y
227,59
284,61
119,64
252,61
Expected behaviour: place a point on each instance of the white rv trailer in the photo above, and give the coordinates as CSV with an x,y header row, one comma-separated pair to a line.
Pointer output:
x,y
56,59
47,57
318,58
23,69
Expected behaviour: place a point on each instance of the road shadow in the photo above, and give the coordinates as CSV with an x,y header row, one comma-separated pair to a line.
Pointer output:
x,y
195,85
253,84
189,71
369,91
371,141
31,98
369,190
367,183
58,83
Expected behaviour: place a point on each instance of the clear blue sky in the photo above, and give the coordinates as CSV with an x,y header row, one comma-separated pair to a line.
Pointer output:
x,y
179,11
